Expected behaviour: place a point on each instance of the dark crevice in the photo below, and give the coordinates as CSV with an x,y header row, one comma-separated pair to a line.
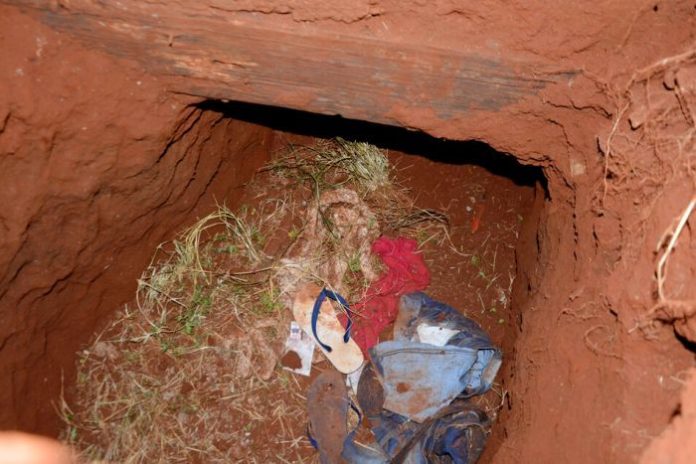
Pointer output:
x,y
453,152
686,343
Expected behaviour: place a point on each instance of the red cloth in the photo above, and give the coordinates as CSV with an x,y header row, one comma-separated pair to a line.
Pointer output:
x,y
406,273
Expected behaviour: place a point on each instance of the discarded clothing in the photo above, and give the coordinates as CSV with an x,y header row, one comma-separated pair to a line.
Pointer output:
x,y
415,388
420,379
358,453
458,436
354,227
406,272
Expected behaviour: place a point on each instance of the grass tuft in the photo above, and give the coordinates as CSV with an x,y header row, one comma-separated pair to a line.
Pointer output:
x,y
334,163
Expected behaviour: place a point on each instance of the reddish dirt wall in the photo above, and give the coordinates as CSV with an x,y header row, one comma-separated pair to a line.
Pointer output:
x,y
676,444
81,205
99,165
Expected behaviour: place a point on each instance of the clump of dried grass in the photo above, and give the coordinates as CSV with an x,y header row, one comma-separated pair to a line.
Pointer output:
x,y
185,375
336,162
189,372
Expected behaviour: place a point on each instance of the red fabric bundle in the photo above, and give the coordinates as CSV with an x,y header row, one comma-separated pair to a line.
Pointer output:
x,y
406,273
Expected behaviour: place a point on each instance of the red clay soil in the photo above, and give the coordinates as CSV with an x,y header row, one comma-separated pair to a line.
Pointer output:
x,y
676,444
99,165
101,160
485,212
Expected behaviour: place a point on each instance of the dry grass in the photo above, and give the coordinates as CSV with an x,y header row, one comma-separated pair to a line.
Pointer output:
x,y
336,162
188,373
172,379
366,169
493,401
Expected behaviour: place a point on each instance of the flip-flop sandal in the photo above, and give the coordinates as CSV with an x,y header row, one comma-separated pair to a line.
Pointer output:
x,y
327,406
315,315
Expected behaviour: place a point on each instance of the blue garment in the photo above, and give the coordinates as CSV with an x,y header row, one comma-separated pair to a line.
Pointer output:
x,y
408,392
419,379
357,453
457,437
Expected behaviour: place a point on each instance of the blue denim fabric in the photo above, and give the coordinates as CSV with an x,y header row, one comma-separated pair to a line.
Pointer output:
x,y
420,379
421,422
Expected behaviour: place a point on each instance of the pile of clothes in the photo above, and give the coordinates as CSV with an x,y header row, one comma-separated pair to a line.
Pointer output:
x,y
411,393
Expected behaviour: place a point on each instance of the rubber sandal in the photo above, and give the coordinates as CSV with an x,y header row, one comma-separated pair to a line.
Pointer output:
x,y
323,295
315,315
327,406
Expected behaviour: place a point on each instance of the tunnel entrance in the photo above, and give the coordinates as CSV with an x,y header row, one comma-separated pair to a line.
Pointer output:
x,y
468,205
106,152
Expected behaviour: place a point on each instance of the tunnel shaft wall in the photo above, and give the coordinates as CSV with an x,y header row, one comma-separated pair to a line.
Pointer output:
x,y
102,156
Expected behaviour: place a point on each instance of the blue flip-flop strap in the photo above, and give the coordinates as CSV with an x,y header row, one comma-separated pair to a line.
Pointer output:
x,y
315,315
312,440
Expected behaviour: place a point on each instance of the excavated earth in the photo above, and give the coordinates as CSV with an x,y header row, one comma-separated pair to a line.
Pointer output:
x,y
103,156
